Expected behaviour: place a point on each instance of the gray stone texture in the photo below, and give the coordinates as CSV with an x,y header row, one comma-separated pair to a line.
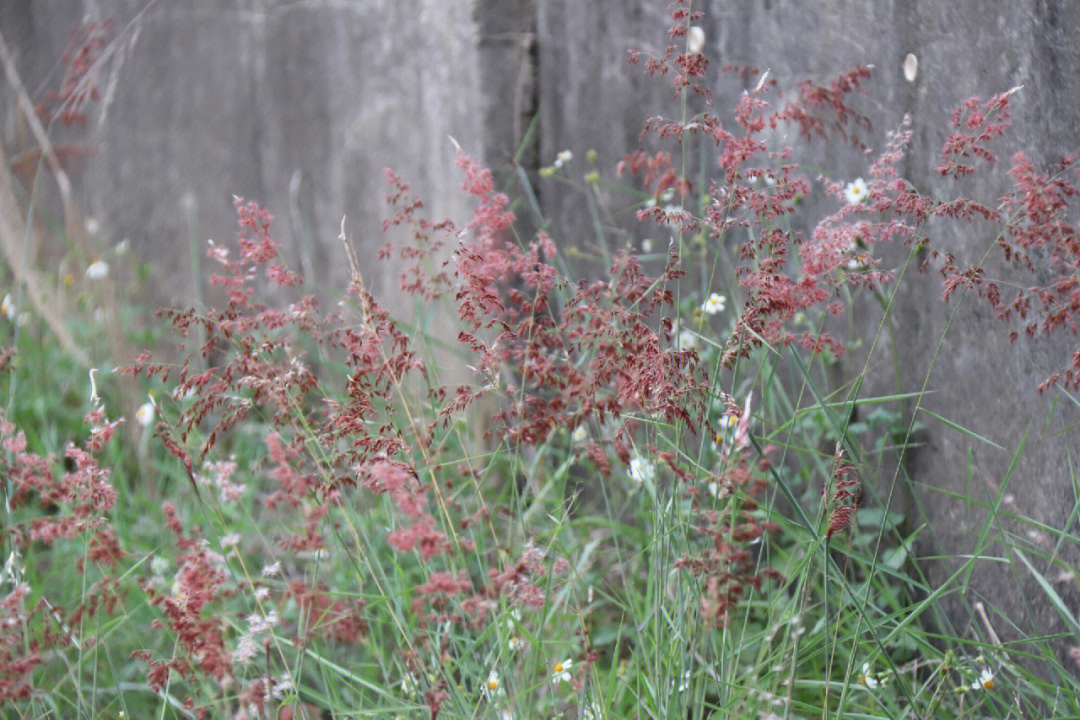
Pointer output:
x,y
301,104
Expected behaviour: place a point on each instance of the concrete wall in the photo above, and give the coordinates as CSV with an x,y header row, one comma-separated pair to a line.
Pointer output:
x,y
300,105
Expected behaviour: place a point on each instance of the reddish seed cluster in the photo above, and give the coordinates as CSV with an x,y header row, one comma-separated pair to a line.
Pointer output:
x,y
79,87
975,125
1034,226
56,509
725,564
689,67
19,655
843,493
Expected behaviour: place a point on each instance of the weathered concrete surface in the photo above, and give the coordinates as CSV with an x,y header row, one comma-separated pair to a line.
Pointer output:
x,y
300,105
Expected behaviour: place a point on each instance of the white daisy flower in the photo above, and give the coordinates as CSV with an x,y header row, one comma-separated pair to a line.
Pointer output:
x,y
641,469
492,686
985,681
695,39
561,671
580,434
515,643
866,678
646,245
97,270
856,191
687,340
145,414
715,304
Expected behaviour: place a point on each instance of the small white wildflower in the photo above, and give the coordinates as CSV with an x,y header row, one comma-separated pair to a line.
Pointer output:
x,y
145,414
121,248
641,469
728,422
856,191
715,304
245,650
646,245
515,643
911,67
687,340
259,624
230,540
685,683
492,686
695,39
282,686
273,568
159,565
561,671
866,678
97,270
985,681
563,158
580,434
409,685
8,307
797,628
262,594
92,226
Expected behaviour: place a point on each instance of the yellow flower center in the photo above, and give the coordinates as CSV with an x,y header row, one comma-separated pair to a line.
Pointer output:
x,y
493,684
558,667
988,684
